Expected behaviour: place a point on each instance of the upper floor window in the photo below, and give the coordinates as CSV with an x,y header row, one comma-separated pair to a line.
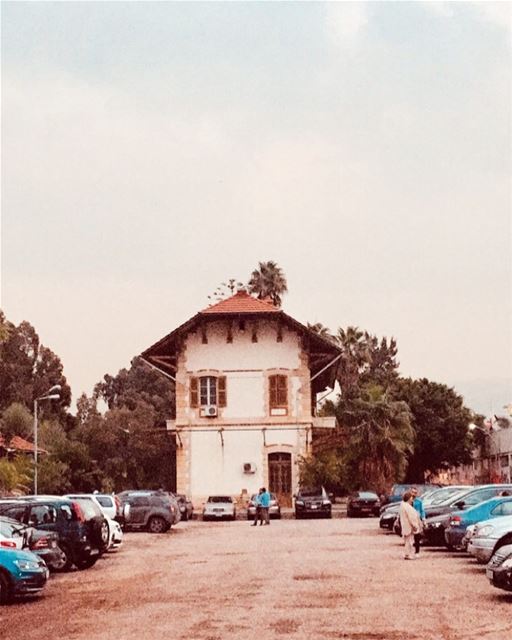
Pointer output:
x,y
208,390
278,395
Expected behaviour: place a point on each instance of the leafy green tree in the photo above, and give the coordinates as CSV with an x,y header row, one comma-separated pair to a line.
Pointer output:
x,y
15,475
440,422
16,420
374,441
268,281
138,384
28,369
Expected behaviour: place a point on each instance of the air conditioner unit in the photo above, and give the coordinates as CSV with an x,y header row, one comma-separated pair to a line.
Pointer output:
x,y
209,411
249,467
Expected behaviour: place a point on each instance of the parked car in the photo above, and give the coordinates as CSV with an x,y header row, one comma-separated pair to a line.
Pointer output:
x,y
16,535
185,505
499,569
397,491
219,508
81,538
362,503
274,511
438,516
155,511
312,501
460,520
21,573
489,536
92,505
13,535
431,497
45,544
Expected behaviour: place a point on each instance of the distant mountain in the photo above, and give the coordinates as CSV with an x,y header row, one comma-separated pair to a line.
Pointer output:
x,y
486,395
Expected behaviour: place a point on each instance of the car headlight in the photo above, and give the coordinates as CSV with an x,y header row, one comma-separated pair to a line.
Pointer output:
x,y
301,502
326,502
26,565
485,531
508,563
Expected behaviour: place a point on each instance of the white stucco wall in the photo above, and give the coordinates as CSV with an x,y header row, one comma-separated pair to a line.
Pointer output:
x,y
217,469
245,364
242,353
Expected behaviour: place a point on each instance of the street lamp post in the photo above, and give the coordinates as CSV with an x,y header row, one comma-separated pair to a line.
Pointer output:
x,y
51,394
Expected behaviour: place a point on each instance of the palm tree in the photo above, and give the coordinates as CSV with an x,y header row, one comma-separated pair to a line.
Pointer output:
x,y
356,355
382,438
268,281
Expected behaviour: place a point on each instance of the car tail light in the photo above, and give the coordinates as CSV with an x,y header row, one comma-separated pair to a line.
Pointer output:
x,y
118,504
455,521
77,510
9,544
42,543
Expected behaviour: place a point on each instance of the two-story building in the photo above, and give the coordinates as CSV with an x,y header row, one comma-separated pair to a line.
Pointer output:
x,y
247,377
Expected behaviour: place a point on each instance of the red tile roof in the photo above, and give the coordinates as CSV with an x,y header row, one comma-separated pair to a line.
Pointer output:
x,y
19,444
242,302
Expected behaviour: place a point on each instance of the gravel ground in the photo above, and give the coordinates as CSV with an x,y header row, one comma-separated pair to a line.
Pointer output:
x,y
323,579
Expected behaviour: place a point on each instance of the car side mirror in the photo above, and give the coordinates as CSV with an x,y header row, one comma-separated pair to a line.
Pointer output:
x,y
460,504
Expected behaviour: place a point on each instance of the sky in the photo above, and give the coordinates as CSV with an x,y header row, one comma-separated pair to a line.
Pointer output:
x,y
150,151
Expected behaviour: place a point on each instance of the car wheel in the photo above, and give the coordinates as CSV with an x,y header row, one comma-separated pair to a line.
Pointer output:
x,y
66,559
86,563
105,535
502,543
156,524
5,588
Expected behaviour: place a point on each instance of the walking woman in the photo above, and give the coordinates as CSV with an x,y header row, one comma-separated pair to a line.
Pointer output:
x,y
410,522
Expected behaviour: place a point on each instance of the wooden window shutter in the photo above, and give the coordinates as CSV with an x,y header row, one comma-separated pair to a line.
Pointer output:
x,y
278,392
194,393
272,391
282,391
221,390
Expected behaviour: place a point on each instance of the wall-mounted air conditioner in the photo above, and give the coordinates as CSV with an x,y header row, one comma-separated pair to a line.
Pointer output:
x,y
209,411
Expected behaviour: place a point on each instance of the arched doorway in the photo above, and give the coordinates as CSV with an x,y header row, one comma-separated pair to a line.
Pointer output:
x,y
280,477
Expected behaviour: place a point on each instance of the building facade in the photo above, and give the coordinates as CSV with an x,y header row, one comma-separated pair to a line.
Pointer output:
x,y
247,377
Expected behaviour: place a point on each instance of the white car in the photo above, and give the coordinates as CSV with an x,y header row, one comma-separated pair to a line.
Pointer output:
x,y
219,508
11,534
489,536
116,535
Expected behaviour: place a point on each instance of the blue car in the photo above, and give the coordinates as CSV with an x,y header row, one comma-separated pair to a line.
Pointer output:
x,y
22,573
460,520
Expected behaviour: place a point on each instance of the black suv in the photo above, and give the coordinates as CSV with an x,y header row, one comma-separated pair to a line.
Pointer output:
x,y
155,511
312,502
83,535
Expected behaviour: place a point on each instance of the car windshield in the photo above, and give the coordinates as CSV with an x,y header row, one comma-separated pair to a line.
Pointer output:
x,y
368,495
441,495
310,493
218,499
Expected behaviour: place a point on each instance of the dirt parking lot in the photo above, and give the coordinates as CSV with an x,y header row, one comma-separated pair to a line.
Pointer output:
x,y
322,579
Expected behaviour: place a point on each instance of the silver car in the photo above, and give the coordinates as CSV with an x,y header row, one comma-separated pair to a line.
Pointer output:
x,y
219,508
274,510
490,535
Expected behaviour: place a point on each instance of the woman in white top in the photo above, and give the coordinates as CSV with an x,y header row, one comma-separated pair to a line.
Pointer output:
x,y
410,522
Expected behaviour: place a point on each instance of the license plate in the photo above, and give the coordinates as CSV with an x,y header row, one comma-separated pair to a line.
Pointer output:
x,y
313,506
217,510
366,509
489,573
53,544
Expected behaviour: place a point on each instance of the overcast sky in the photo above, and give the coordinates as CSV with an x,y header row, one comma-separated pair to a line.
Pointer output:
x,y
152,150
